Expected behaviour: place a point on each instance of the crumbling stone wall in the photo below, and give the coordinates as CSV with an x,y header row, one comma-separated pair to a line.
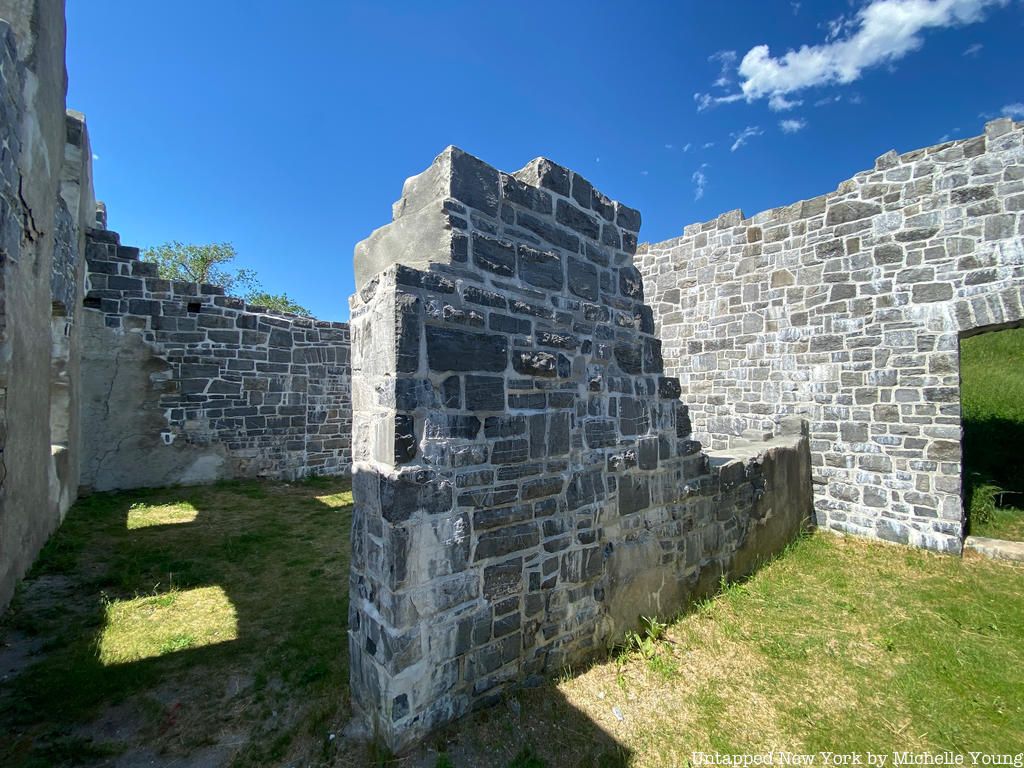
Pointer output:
x,y
45,187
847,310
525,481
186,385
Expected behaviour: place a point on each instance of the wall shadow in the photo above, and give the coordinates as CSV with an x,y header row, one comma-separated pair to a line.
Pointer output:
x,y
275,552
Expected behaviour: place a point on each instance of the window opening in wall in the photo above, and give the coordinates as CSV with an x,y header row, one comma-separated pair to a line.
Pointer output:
x,y
992,414
194,306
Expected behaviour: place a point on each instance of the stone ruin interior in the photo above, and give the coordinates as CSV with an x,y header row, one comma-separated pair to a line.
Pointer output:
x,y
550,428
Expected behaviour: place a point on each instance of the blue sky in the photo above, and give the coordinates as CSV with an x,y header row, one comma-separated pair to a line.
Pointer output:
x,y
288,128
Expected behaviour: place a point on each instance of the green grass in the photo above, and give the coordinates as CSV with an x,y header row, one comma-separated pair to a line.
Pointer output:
x,y
215,616
992,399
839,644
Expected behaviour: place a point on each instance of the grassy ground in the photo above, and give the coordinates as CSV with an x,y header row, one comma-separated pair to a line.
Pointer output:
x,y
206,626
992,381
202,622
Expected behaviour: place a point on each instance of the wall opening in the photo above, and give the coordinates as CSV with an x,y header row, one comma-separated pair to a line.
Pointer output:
x,y
992,420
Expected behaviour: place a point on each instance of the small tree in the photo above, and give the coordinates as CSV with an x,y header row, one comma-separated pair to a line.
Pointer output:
x,y
207,264
278,301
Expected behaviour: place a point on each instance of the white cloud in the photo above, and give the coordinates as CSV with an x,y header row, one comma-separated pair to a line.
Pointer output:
x,y
95,157
742,137
644,173
796,7
779,103
828,100
686,146
973,50
706,100
727,62
708,145
880,33
670,146
792,126
700,181
1015,110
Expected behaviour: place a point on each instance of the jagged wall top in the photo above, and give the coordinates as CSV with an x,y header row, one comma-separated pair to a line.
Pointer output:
x,y
425,221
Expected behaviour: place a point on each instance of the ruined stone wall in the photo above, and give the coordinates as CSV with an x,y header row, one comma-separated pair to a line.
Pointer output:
x,y
526,486
847,310
40,239
186,385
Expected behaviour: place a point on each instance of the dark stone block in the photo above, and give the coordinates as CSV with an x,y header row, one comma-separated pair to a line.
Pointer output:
x,y
451,425
540,268
582,190
496,517
474,183
631,284
653,362
634,494
484,298
504,579
504,426
535,401
627,218
554,235
411,394
534,363
568,214
451,392
505,541
415,278
558,442
497,256
525,195
507,324
583,279
485,393
449,349
405,438
600,433
669,388
510,451
402,496
584,488
523,308
629,357
604,207
545,486
647,453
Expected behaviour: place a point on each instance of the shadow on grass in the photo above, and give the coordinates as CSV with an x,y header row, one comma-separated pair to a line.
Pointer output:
x,y
280,556
272,691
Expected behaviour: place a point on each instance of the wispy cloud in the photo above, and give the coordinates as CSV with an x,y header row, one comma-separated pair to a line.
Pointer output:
x,y
644,173
708,145
880,33
1015,110
670,146
727,63
742,137
686,146
973,50
700,181
792,126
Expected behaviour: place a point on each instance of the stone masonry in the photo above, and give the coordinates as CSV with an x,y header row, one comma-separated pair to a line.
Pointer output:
x,y
184,384
847,310
525,480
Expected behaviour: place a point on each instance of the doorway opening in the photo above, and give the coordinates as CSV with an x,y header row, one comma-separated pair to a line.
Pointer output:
x,y
992,418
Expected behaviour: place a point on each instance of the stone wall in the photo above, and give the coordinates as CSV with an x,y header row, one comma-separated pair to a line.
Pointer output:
x,y
847,310
525,481
45,203
186,385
